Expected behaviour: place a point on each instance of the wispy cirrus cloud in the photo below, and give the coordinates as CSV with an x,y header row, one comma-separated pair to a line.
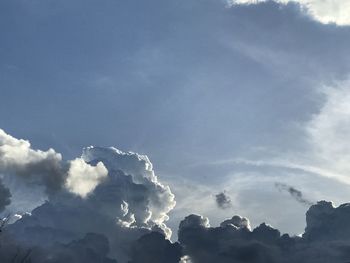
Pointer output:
x,y
286,164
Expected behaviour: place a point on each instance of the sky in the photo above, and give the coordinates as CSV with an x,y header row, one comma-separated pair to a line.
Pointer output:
x,y
231,97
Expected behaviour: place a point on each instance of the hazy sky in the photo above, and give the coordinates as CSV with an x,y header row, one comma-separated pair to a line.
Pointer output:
x,y
222,96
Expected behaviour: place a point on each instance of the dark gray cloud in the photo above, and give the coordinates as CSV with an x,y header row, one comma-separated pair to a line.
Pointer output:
x,y
223,200
295,193
5,196
154,248
326,239
91,248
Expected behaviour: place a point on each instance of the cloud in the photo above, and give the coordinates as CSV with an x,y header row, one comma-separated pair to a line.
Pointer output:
x,y
291,165
295,193
326,239
147,198
278,45
328,129
113,195
325,11
133,206
5,196
154,248
122,218
35,166
91,248
223,200
106,192
237,222
83,178
227,243
46,168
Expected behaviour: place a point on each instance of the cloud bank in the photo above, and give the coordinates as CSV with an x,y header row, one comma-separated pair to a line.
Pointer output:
x,y
110,207
326,239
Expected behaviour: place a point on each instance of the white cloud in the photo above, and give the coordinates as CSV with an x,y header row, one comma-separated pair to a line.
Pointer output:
x,y
18,158
16,153
160,200
83,178
329,130
325,11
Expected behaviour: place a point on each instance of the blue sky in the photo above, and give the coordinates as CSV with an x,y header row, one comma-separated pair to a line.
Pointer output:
x,y
220,96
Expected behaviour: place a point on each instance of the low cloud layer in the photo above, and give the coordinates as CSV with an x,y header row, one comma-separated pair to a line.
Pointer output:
x,y
326,239
153,248
91,248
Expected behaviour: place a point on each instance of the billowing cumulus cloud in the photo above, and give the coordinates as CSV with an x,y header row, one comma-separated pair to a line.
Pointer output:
x,y
142,195
325,11
110,193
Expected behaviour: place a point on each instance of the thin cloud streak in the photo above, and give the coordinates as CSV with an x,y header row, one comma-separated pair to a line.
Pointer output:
x,y
287,165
